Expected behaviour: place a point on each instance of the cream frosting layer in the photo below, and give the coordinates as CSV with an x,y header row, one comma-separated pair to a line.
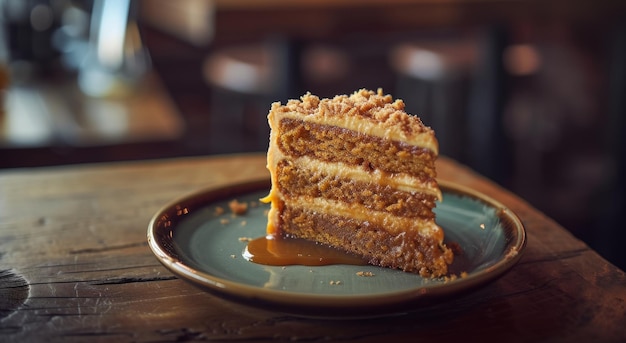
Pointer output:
x,y
401,181
392,224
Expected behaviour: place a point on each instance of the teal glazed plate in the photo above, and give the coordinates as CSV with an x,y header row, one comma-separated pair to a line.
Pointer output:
x,y
201,241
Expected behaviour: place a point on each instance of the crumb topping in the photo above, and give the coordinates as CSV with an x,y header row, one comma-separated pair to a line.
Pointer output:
x,y
364,104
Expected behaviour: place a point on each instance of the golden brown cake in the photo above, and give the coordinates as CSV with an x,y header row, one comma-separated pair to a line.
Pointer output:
x,y
357,173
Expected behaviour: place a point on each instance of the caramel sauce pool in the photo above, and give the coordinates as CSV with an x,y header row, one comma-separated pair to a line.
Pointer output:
x,y
279,251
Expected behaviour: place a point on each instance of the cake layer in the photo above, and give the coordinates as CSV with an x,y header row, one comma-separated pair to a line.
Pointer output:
x,y
409,251
381,219
332,144
403,182
301,181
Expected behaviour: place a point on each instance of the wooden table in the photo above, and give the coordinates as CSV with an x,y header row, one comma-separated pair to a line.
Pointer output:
x,y
75,266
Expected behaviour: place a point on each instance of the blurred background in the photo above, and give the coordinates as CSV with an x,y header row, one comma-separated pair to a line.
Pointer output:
x,y
529,93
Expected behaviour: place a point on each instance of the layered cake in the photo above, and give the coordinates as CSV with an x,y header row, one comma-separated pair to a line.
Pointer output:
x,y
357,173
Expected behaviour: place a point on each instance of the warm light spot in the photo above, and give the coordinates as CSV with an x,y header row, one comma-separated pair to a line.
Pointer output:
x,y
521,59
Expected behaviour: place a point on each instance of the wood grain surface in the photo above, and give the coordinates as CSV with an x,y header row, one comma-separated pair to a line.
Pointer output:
x,y
75,266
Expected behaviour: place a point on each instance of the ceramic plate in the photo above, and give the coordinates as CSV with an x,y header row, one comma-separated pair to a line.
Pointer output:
x,y
201,241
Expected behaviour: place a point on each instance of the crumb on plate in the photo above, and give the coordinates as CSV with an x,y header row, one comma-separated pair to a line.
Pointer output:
x,y
237,207
362,273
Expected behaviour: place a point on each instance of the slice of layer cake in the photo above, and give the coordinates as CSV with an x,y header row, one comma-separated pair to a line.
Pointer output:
x,y
357,173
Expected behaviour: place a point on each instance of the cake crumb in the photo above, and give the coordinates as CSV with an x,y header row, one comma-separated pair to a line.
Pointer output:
x,y
366,274
451,277
219,210
333,282
245,239
237,207
224,221
243,223
233,256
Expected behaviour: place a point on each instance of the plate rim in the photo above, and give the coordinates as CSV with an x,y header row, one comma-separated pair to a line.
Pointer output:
x,y
328,305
